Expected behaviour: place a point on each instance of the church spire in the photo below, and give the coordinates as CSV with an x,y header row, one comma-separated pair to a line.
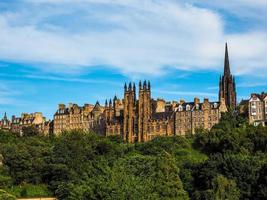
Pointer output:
x,y
227,89
227,71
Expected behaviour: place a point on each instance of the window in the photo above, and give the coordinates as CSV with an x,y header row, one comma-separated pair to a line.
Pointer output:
x,y
253,104
253,111
180,108
187,107
253,108
215,105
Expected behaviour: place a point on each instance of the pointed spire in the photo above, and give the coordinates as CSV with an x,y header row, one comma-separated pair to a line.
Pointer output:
x,y
106,103
125,87
140,85
114,100
130,86
5,115
110,102
145,84
115,97
148,85
227,71
134,88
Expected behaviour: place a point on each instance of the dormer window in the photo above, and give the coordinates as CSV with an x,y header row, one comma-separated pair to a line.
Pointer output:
x,y
180,108
187,107
197,106
215,105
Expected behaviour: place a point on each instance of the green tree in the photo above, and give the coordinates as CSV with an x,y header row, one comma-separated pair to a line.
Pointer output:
x,y
6,196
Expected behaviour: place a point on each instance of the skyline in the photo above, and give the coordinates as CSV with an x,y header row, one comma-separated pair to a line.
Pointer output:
x,y
85,52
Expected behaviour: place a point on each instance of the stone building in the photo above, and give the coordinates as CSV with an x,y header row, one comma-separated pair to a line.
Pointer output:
x,y
48,127
74,117
137,117
36,120
257,109
5,123
227,87
142,119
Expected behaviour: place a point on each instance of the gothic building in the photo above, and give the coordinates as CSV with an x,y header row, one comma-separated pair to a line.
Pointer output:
x,y
142,119
227,88
137,117
5,123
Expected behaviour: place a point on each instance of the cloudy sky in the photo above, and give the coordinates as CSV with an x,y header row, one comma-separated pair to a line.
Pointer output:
x,y
81,51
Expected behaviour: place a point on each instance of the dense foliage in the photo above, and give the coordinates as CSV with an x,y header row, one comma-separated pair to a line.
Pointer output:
x,y
228,162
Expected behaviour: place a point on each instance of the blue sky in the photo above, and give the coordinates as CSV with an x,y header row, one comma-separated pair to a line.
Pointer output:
x,y
61,51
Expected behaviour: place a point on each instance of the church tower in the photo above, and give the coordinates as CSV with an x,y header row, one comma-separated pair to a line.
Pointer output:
x,y
144,111
227,91
129,113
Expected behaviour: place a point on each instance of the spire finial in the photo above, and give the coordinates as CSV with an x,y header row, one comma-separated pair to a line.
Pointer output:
x,y
140,85
130,86
148,85
106,103
144,84
227,71
134,87
115,97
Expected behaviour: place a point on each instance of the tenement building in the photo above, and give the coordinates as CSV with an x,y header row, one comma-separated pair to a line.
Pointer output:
x,y
257,109
74,117
16,124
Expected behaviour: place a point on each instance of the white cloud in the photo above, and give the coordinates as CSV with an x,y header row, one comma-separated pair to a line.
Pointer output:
x,y
7,95
135,37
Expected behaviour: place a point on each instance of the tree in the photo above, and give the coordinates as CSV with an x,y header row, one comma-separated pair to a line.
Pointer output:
x,y
224,189
6,196
30,131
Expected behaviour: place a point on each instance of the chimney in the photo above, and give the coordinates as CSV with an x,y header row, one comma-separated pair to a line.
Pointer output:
x,y
196,101
206,100
182,101
61,106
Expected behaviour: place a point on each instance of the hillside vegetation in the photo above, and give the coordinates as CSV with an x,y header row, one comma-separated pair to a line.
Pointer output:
x,y
228,162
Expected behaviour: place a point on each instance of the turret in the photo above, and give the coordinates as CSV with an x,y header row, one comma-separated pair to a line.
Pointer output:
x,y
145,85
110,103
125,87
106,103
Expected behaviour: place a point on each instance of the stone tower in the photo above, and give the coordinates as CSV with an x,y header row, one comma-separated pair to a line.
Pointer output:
x,y
144,111
129,113
227,91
